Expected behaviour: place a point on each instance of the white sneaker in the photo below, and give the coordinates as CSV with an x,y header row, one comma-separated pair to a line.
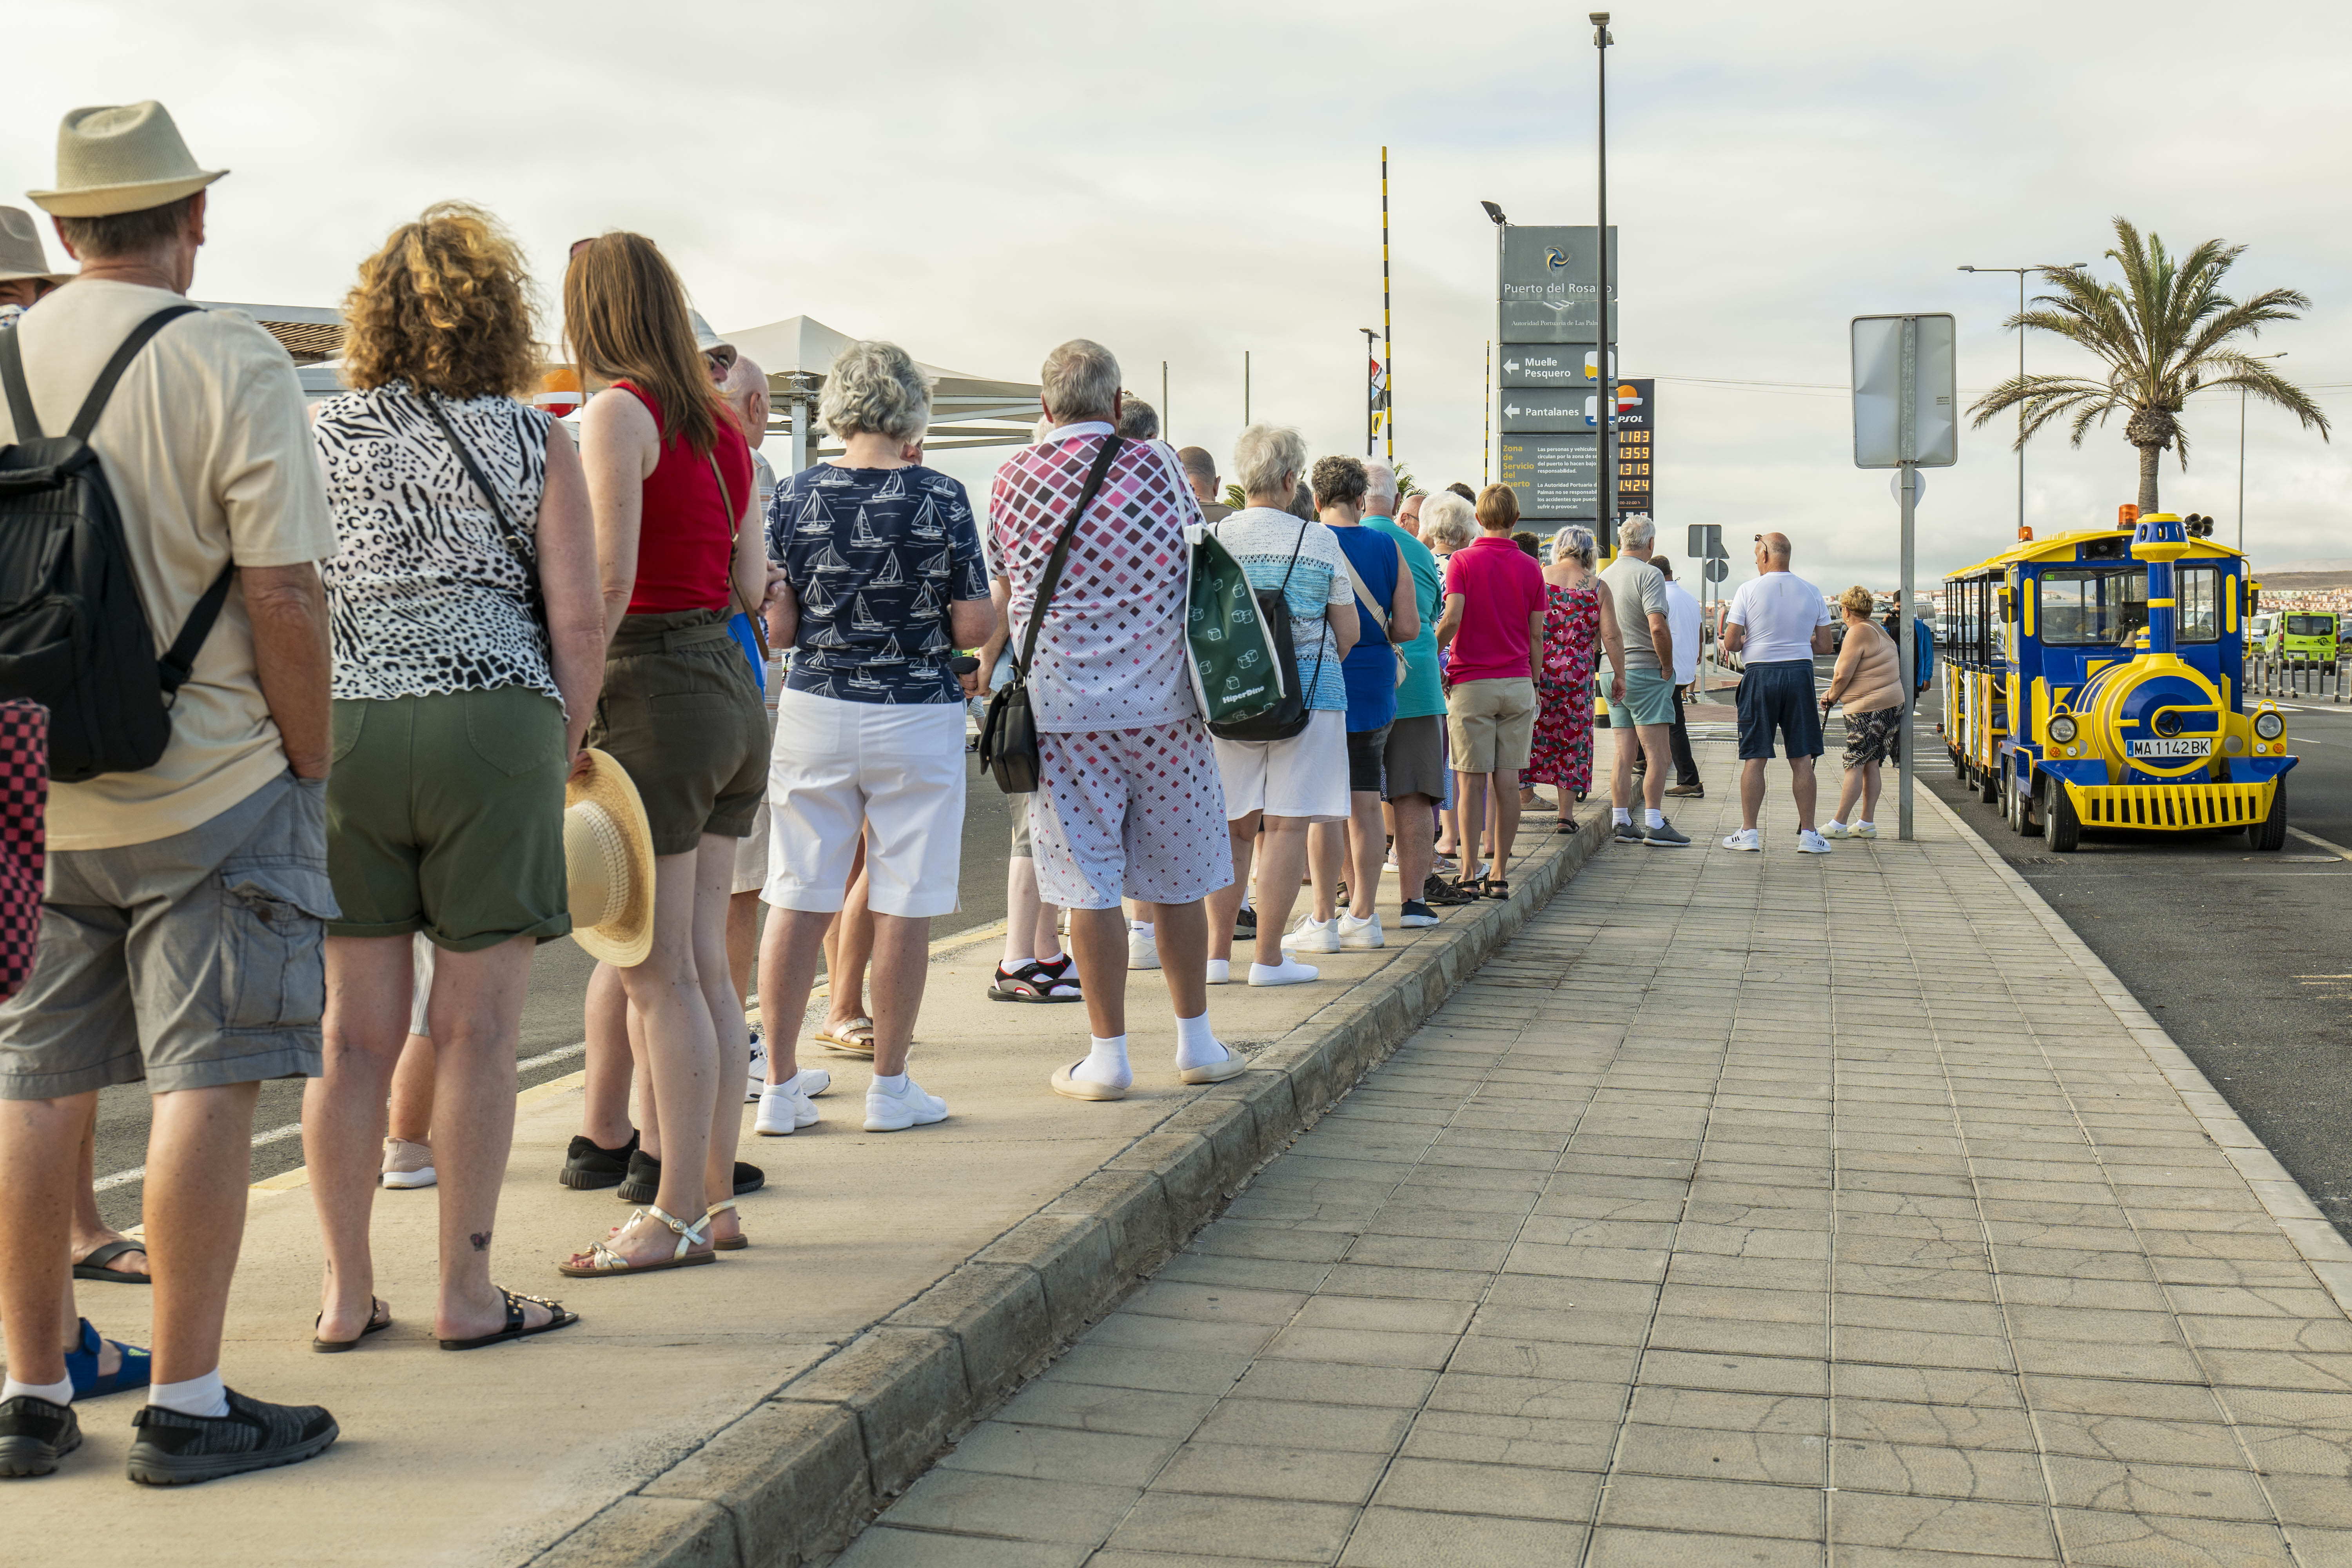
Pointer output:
x,y
1313,936
758,1080
1747,838
783,1109
1289,971
887,1112
1864,830
812,1081
1811,843
1362,934
1221,971
1836,830
1142,948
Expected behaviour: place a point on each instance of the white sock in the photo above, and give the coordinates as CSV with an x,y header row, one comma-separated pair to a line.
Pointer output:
x,y
1049,959
58,1392
1196,1044
1620,816
204,1395
1832,822
890,1083
1655,817
1863,822
1106,1063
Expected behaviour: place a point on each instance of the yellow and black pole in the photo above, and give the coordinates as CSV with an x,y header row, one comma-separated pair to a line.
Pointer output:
x,y
1388,345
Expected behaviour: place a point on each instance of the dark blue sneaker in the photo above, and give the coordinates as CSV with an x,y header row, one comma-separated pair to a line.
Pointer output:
x,y
1416,915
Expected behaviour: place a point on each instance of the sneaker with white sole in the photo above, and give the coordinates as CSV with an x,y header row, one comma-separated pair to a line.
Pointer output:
x,y
1864,830
784,1110
1416,915
910,1107
1142,948
1357,935
1747,838
1664,836
1811,843
1313,936
1221,971
1289,971
407,1164
812,1081
1625,833
758,1080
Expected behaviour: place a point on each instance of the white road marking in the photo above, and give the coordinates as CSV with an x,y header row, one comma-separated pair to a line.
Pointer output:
x,y
2336,850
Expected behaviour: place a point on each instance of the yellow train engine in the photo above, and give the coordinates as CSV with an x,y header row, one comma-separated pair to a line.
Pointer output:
x,y
2097,680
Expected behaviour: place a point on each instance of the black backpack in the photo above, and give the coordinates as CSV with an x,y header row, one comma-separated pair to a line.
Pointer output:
x,y
73,631
1289,716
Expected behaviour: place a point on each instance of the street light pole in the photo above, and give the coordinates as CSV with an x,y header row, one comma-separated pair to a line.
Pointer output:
x,y
2022,272
1605,462
1501,225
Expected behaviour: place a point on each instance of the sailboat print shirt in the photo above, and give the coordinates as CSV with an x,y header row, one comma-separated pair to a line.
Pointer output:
x,y
875,557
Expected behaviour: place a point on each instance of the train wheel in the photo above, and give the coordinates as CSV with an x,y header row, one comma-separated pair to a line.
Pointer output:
x,y
2031,819
2008,813
2269,833
2064,828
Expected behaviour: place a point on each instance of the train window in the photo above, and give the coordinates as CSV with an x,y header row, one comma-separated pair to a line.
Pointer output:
x,y
2092,605
2196,595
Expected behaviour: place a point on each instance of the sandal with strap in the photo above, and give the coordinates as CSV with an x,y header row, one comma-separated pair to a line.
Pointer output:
x,y
735,1243
557,1318
1033,982
603,1260
93,1264
379,1319
855,1038
81,1366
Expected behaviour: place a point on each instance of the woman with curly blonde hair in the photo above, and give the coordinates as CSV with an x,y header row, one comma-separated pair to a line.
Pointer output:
x,y
468,645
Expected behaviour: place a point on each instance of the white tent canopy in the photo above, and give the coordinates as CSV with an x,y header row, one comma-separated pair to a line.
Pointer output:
x,y
966,410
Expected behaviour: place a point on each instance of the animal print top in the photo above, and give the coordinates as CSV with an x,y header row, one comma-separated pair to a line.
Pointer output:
x,y
425,593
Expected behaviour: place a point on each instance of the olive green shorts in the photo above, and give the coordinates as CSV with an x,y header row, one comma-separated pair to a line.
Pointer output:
x,y
682,713
445,815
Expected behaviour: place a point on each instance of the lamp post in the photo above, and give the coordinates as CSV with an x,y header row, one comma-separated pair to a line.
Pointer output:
x,y
2241,455
2022,272
1604,477
1501,223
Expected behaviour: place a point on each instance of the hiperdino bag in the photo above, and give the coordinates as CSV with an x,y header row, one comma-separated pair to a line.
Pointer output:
x,y
1238,672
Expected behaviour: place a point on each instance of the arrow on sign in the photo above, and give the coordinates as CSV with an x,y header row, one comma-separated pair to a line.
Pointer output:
x,y
1512,409
1512,365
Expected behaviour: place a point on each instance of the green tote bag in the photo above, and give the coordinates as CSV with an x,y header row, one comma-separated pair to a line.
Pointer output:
x,y
1236,671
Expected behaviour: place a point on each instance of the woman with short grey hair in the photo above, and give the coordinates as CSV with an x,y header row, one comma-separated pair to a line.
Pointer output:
x,y
875,389
1448,523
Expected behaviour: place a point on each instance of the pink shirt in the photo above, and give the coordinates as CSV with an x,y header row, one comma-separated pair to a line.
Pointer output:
x,y
1501,586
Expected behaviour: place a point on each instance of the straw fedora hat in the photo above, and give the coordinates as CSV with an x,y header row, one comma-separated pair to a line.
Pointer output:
x,y
20,249
121,158
608,863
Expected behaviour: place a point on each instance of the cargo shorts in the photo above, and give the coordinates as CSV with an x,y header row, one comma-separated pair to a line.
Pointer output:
x,y
192,962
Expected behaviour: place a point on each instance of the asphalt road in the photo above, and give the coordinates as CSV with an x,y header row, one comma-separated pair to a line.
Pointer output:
x,y
551,1043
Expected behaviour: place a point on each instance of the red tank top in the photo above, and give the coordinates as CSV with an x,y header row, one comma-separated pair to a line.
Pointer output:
x,y
686,536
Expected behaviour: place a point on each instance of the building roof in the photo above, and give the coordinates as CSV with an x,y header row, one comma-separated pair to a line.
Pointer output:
x,y
312,333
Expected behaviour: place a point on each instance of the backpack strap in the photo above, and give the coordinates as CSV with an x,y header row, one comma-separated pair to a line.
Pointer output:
x,y
20,398
172,672
103,387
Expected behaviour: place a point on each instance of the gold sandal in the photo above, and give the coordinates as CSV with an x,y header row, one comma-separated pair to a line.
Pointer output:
x,y
854,1037
736,1243
603,1260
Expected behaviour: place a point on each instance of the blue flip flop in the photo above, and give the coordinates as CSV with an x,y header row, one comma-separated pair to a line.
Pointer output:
x,y
81,1366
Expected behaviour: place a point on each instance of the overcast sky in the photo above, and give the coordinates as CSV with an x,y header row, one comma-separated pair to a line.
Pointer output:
x,y
1188,181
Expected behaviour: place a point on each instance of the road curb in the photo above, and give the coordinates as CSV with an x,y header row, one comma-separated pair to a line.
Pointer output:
x,y
799,1475
2314,1238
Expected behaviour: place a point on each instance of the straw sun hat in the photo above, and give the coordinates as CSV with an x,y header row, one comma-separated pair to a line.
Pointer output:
x,y
20,249
608,861
121,158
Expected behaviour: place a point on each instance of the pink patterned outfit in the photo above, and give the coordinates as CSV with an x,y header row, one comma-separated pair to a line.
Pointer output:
x,y
1562,754
1128,802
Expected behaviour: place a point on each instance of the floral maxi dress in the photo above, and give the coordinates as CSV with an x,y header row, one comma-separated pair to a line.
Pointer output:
x,y
1563,756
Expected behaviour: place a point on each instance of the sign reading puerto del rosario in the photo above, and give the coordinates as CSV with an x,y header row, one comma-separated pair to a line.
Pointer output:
x,y
1548,283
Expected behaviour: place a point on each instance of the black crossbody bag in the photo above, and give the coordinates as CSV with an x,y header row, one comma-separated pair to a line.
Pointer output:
x,y
526,556
1008,740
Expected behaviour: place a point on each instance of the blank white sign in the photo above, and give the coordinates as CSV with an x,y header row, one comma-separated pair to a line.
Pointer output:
x,y
1882,439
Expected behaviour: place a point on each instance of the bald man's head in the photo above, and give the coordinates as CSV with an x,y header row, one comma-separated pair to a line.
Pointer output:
x,y
746,391
1772,549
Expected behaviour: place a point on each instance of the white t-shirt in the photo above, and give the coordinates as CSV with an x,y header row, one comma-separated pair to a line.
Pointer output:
x,y
1779,610
1682,620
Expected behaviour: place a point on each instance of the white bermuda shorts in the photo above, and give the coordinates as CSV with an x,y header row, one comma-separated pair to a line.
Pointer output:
x,y
898,770
1306,775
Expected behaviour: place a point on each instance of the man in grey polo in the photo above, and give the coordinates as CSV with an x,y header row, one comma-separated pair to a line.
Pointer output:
x,y
1641,716
182,928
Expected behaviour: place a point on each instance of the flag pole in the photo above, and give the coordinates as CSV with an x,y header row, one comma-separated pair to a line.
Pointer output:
x,y
1371,395
1388,344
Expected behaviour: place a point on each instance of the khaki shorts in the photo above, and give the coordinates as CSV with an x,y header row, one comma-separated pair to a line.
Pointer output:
x,y
445,815
192,962
682,713
1492,723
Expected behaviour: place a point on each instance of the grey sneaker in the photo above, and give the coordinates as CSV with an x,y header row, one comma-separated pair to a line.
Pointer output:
x,y
173,1449
1627,833
1664,836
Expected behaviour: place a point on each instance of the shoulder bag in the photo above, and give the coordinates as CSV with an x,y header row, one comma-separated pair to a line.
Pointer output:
x,y
1289,716
534,595
1008,739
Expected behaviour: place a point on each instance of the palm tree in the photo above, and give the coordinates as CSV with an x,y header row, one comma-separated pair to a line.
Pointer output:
x,y
2164,333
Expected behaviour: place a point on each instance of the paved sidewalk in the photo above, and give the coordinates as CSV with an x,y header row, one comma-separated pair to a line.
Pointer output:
x,y
1745,1209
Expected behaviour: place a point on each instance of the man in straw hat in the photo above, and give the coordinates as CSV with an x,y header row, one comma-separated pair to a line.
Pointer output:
x,y
218,851
24,274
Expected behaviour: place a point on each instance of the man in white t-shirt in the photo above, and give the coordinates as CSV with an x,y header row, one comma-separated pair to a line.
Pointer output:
x,y
1778,622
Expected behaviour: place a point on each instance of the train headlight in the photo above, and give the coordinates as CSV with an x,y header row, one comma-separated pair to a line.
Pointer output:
x,y
2062,728
2269,726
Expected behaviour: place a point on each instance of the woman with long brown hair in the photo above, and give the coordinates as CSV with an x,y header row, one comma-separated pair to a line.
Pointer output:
x,y
679,551
468,640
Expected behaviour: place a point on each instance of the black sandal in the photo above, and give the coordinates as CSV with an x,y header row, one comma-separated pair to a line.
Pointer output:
x,y
1564,827
93,1264
558,1319
379,1319
1033,982
1498,888
1470,890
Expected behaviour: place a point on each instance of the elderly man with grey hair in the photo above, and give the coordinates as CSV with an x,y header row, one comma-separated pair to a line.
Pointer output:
x,y
1643,715
1127,802
882,581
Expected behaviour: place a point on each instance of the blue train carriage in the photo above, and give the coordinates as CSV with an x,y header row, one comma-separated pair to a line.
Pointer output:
x,y
2096,679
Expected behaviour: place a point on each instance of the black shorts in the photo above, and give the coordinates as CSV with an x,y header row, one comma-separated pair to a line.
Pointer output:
x,y
1367,761
1779,696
